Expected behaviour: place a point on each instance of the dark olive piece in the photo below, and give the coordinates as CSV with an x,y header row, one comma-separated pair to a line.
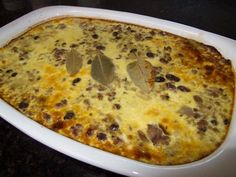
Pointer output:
x,y
118,37
150,55
133,50
198,99
94,36
73,45
102,136
114,127
14,74
61,26
226,121
69,115
172,77
167,49
23,105
152,32
115,33
9,71
36,37
100,47
214,122
170,86
183,88
160,79
116,106
46,116
75,81
89,61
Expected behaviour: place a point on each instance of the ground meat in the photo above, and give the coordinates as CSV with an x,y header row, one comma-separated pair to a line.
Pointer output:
x,y
46,116
61,104
61,26
100,96
116,106
157,69
214,92
89,88
227,61
76,129
90,131
163,60
166,58
15,49
138,36
202,125
209,69
101,88
153,33
23,55
111,96
148,37
87,102
58,53
167,49
165,97
116,140
58,125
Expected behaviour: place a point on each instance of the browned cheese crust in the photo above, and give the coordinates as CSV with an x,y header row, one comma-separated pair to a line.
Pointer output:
x,y
184,118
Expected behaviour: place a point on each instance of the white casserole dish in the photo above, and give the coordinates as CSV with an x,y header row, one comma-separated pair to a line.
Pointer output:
x,y
218,164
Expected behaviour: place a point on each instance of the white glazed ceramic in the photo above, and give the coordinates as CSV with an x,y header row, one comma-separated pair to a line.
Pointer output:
x,y
218,164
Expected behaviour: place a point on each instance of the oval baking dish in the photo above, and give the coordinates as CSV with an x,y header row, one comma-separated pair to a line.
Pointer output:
x,y
107,160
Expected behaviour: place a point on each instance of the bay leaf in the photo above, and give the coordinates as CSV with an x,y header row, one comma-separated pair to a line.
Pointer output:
x,y
74,62
142,74
102,69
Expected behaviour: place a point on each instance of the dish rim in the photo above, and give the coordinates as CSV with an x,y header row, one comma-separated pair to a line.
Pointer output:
x,y
131,167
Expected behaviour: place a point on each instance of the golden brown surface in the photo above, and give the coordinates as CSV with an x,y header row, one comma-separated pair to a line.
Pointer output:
x,y
184,118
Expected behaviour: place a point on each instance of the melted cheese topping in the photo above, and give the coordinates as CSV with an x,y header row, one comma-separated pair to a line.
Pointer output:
x,y
184,118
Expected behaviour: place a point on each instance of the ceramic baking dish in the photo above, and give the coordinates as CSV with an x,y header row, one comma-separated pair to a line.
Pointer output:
x,y
218,164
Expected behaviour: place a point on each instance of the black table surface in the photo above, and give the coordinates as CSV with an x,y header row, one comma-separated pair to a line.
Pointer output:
x,y
21,155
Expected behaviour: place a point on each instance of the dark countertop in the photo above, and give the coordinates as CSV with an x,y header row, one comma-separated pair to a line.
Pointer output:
x,y
20,155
